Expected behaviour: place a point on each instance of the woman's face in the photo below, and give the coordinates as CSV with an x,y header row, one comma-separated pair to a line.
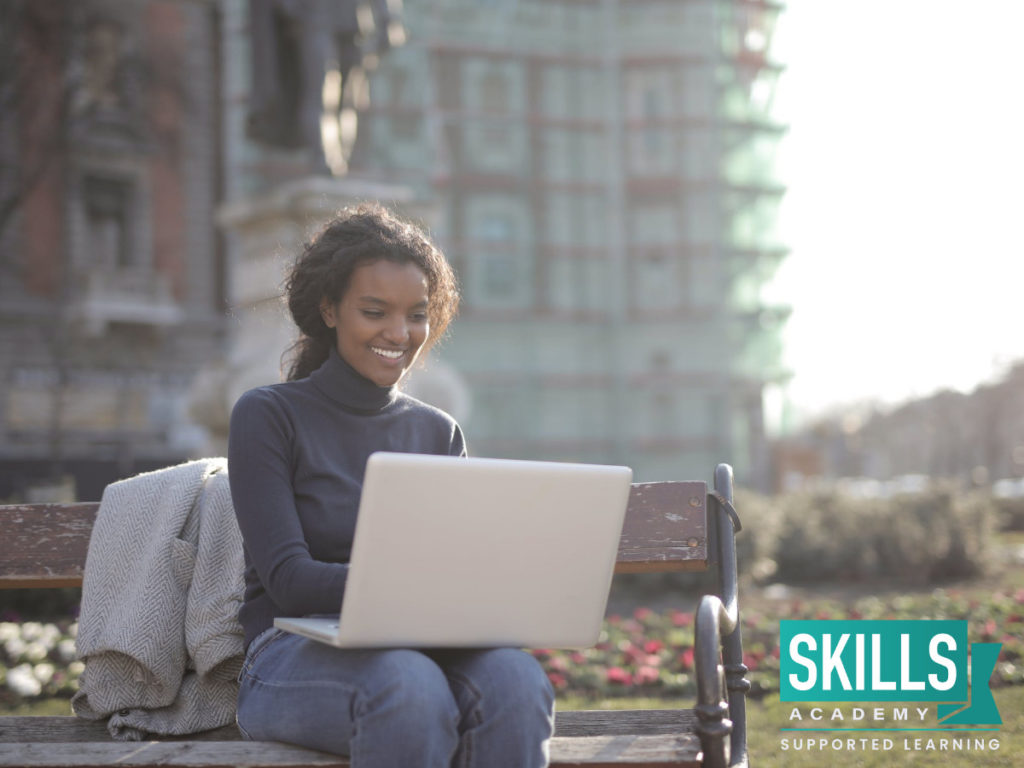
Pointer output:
x,y
381,321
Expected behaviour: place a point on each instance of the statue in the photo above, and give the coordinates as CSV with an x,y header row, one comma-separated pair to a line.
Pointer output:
x,y
295,45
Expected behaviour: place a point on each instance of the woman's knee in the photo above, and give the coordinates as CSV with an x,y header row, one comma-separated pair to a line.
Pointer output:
x,y
406,680
504,679
322,697
516,673
507,707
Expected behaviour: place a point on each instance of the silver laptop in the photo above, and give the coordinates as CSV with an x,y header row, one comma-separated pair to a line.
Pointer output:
x,y
457,552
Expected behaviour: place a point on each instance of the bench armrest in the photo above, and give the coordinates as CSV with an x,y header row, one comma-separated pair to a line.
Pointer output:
x,y
721,690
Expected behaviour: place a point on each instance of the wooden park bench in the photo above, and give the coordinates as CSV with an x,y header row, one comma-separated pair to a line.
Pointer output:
x,y
671,526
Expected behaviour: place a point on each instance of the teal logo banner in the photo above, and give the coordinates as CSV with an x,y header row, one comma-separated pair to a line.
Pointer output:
x,y
908,661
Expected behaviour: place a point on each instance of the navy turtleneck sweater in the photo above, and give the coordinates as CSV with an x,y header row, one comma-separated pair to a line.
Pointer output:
x,y
297,452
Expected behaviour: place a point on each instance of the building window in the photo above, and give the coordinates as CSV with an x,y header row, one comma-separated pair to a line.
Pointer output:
x,y
652,112
663,414
404,124
494,98
498,262
108,219
649,104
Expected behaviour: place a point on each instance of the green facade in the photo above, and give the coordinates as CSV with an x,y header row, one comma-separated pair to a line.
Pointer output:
x,y
604,176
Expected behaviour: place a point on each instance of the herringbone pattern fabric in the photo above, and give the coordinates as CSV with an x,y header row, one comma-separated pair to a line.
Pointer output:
x,y
163,582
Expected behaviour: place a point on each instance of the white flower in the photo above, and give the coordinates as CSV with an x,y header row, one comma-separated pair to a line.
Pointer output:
x,y
36,651
15,647
8,631
31,630
50,635
44,672
66,650
73,630
76,668
21,680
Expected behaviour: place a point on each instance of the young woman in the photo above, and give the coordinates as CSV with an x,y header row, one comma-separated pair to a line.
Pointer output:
x,y
369,294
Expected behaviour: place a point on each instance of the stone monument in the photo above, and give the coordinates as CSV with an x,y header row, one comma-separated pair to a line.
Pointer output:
x,y
291,47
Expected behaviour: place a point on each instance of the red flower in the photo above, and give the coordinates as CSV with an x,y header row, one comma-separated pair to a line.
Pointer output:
x,y
633,626
558,681
630,653
681,619
619,676
686,659
653,646
558,664
642,614
646,676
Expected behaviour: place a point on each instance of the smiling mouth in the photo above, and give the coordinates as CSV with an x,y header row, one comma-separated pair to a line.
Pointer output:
x,y
388,354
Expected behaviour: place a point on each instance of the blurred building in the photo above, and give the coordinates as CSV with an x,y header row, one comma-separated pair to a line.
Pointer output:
x,y
599,171
111,275
604,175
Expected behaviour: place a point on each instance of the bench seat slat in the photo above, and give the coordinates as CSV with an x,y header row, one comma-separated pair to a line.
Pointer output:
x,y
45,544
615,722
593,738
590,722
591,751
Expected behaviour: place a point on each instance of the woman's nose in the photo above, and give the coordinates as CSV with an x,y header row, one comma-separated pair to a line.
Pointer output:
x,y
397,332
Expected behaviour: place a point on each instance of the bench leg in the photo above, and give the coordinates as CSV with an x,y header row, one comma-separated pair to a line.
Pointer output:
x,y
721,690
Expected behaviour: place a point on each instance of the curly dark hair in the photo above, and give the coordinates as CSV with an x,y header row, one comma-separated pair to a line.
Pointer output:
x,y
357,236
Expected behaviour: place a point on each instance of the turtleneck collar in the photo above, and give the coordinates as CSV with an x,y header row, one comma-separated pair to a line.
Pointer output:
x,y
347,387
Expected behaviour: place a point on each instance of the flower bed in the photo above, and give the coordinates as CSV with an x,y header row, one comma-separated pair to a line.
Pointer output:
x,y
651,654
37,660
647,654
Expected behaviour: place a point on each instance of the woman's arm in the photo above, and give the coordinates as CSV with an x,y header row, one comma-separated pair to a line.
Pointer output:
x,y
260,472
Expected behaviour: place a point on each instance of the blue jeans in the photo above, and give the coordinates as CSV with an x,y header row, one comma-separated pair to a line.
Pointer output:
x,y
387,708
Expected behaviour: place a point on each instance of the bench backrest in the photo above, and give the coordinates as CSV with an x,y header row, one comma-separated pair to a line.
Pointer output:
x,y
44,545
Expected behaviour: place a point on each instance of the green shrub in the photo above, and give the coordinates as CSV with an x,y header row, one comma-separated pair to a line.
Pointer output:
x,y
923,538
762,518
1011,513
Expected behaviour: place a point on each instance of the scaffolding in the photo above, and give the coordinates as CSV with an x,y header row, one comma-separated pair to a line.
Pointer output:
x,y
604,169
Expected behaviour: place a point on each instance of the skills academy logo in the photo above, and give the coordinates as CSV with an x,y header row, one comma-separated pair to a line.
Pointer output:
x,y
928,664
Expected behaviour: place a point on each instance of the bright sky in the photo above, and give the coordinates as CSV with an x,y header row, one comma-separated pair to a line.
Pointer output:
x,y
905,211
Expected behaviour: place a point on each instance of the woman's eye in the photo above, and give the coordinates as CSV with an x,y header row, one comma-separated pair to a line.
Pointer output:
x,y
373,313
419,317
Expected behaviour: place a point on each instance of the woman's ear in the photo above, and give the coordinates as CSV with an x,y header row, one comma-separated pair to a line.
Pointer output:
x,y
327,312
